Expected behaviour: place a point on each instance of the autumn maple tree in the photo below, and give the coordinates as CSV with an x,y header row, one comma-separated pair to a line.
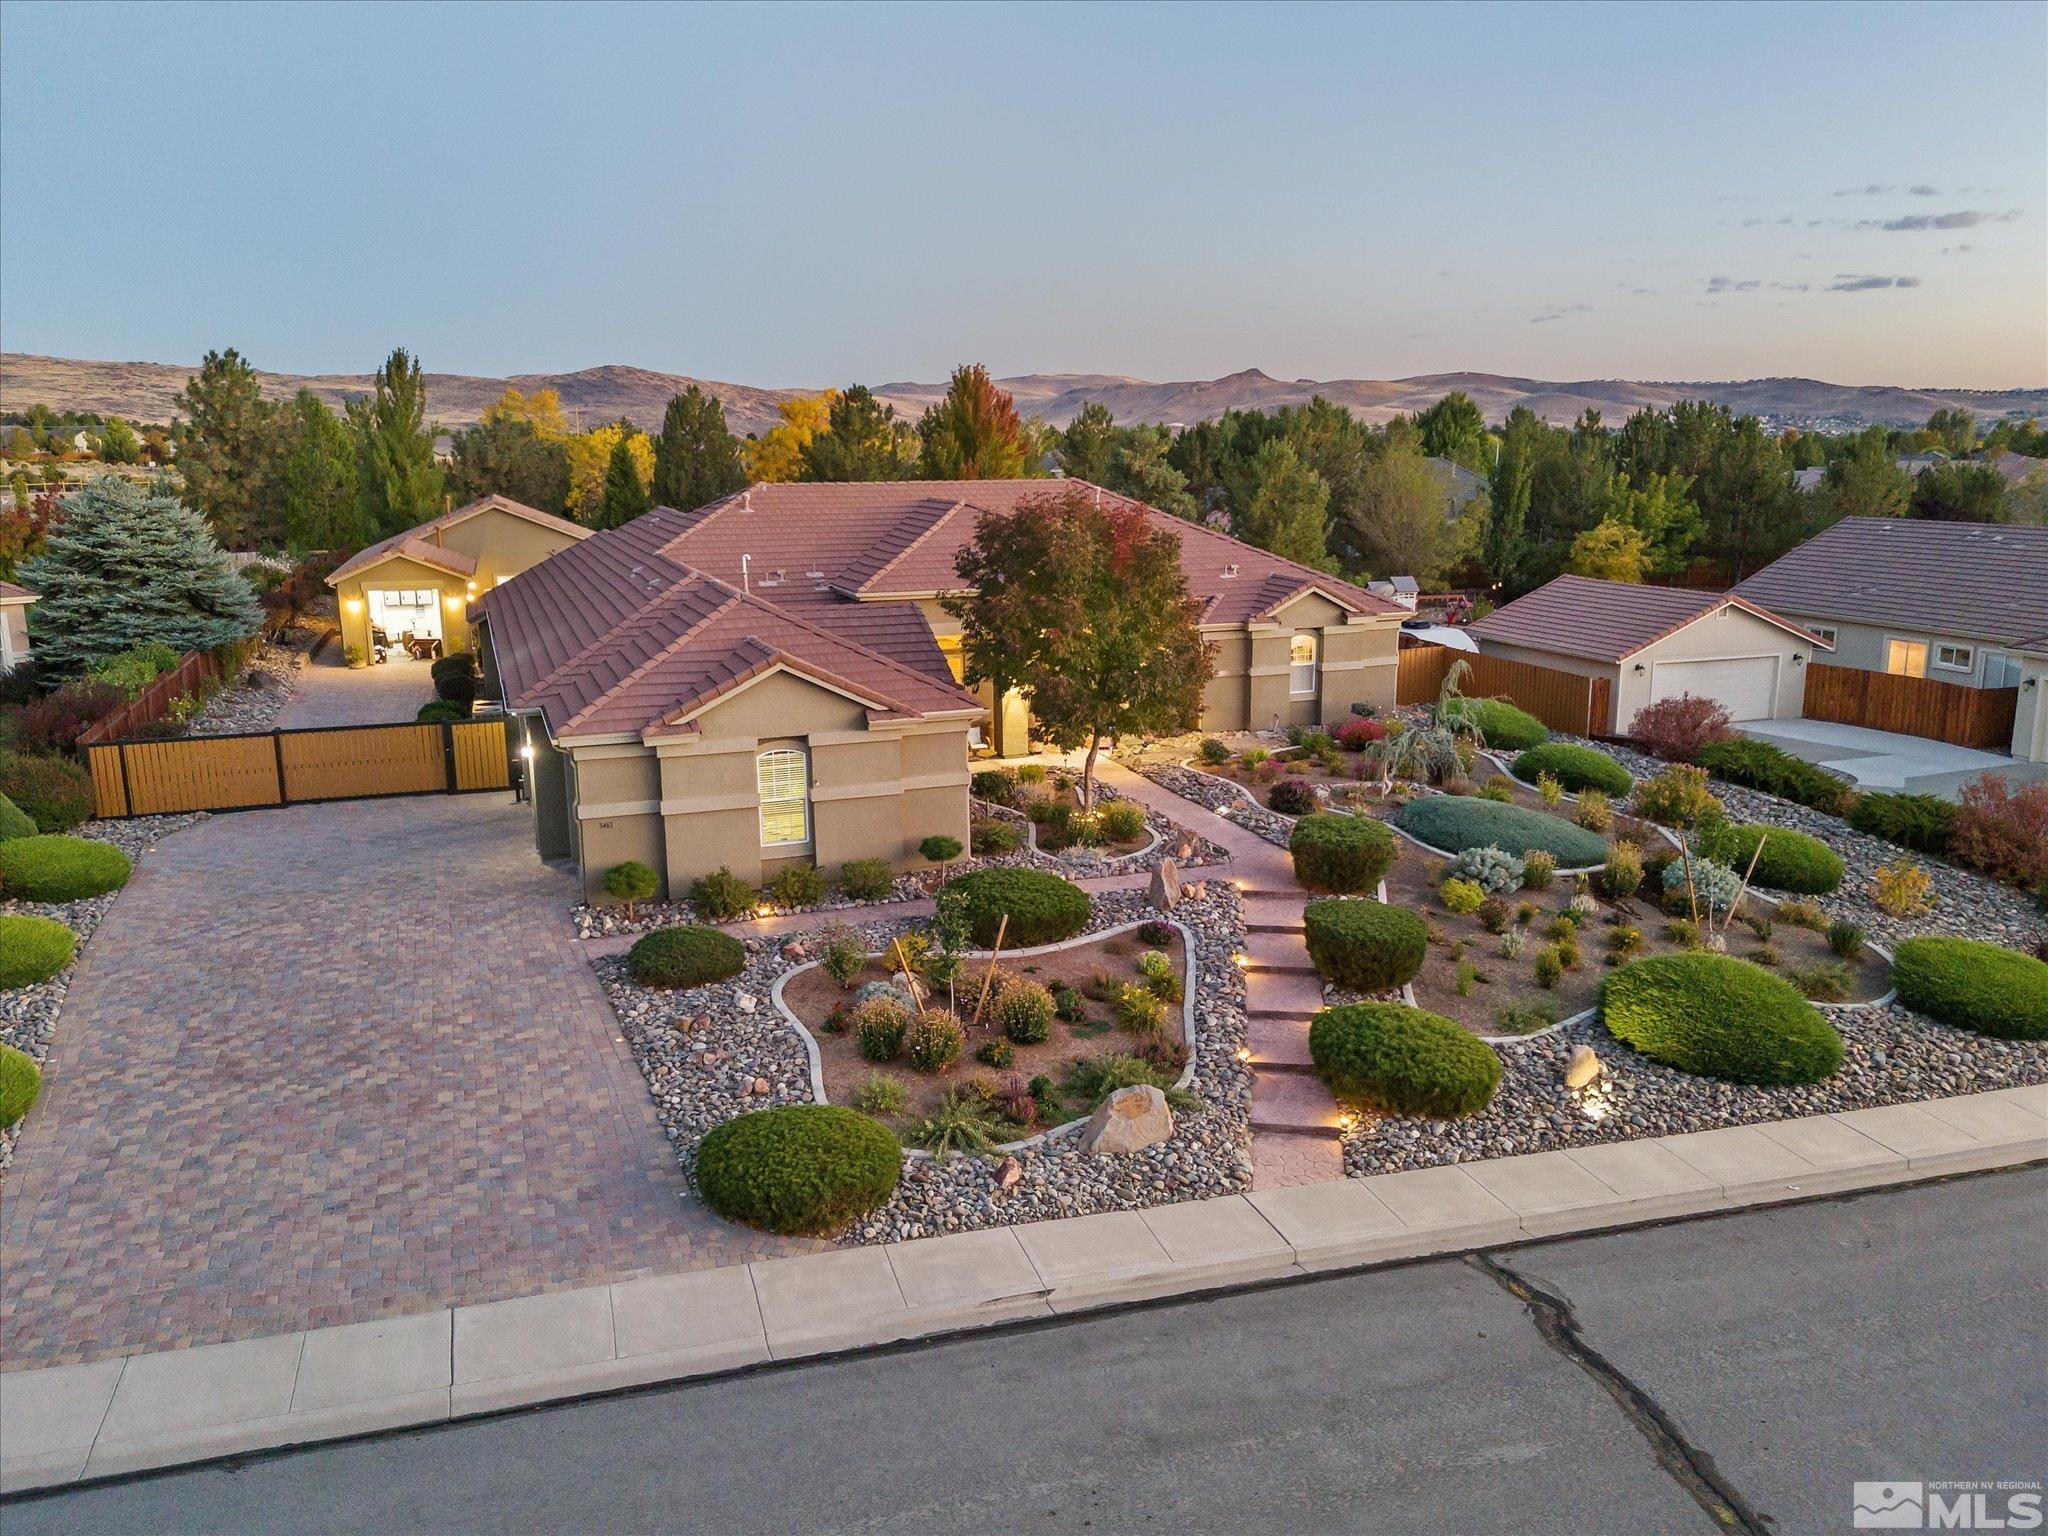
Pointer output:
x,y
1084,607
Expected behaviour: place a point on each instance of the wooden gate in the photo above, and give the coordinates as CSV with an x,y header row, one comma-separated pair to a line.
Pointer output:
x,y
1564,701
1912,706
348,762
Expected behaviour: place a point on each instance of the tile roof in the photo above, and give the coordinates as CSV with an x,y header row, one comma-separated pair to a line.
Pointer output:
x,y
10,593
1988,580
1607,620
412,541
637,626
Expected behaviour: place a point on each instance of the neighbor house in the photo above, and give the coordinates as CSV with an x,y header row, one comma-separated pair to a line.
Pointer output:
x,y
420,583
772,678
1653,643
14,647
1961,603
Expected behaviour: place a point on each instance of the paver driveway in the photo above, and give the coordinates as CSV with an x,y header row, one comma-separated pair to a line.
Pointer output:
x,y
329,1063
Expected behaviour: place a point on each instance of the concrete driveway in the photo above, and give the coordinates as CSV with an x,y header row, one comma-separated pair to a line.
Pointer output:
x,y
330,692
1885,761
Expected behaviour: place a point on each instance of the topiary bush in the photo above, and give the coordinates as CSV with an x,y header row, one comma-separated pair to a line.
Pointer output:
x,y
53,792
1340,853
44,868
20,1081
866,879
1500,724
1760,765
454,664
630,882
1366,945
1719,1017
1576,767
939,848
14,821
798,1168
686,956
1919,822
1454,823
33,949
1042,908
1387,1056
1790,861
1975,986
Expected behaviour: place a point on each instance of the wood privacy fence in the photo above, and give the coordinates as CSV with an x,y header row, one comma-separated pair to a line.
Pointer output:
x,y
1564,701
195,671
350,762
1912,706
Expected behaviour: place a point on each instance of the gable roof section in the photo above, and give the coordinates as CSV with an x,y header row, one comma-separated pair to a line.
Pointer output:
x,y
1982,579
12,593
426,535
1609,620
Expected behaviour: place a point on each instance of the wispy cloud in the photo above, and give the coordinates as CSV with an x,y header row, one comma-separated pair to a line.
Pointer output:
x,y
1560,312
1962,218
1924,190
1863,282
1875,189
1751,285
1956,250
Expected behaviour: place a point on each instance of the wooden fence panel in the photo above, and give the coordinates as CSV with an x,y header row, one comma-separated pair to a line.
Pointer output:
x,y
1912,706
199,773
1564,701
480,760
373,760
109,790
193,672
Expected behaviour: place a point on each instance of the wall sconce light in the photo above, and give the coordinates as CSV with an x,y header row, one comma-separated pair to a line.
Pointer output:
x,y
454,603
353,604
2030,682
1798,658
1639,667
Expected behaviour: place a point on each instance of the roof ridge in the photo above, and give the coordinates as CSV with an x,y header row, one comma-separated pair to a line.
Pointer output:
x,y
653,601
791,616
915,544
655,660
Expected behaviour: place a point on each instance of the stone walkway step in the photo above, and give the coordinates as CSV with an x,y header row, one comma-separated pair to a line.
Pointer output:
x,y
1292,1101
1281,950
1295,928
1281,1160
1279,1043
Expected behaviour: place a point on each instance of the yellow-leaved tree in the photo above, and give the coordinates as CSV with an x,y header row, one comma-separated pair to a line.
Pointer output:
x,y
541,410
779,454
590,454
1610,551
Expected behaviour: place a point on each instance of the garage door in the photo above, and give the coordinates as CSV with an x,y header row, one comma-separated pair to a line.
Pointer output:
x,y
1746,686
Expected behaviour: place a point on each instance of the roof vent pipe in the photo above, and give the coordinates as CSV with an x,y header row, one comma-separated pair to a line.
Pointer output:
x,y
746,585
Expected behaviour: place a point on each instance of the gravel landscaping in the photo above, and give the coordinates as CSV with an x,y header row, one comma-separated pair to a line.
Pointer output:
x,y
1229,800
255,699
29,1015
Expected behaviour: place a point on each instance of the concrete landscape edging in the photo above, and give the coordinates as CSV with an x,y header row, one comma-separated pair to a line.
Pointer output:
x,y
62,1424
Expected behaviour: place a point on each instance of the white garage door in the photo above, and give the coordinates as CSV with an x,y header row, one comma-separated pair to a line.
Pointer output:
x,y
1746,686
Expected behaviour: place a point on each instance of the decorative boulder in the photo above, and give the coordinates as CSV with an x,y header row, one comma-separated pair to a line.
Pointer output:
x,y
1582,1067
1009,1172
1164,891
1128,1120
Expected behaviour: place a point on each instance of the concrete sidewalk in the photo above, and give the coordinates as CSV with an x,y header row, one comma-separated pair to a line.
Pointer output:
x,y
64,1423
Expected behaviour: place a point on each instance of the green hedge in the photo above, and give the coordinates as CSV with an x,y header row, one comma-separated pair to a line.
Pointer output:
x,y
14,821
1500,724
20,1081
686,956
1775,771
1791,861
61,868
442,712
799,1168
1919,822
1457,822
1720,1017
53,792
1575,767
1042,908
1340,853
1365,944
33,949
1387,1056
1974,985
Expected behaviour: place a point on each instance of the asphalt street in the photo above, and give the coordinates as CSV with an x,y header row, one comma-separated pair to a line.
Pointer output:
x,y
1736,1374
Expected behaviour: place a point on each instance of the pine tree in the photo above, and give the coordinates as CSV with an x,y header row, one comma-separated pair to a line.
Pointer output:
x,y
625,493
974,433
696,458
227,449
862,440
398,484
316,484
1290,510
130,565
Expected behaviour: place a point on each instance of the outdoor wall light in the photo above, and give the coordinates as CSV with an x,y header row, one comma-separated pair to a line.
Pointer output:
x,y
527,752
1639,667
353,605
1798,658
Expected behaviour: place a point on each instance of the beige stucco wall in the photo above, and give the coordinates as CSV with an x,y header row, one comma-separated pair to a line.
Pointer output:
x,y
691,805
502,543
2030,718
14,647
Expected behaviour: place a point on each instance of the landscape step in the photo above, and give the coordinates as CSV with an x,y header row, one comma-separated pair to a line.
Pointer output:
x,y
1279,1124
1293,927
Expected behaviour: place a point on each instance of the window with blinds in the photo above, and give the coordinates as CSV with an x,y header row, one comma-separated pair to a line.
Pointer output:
x,y
782,780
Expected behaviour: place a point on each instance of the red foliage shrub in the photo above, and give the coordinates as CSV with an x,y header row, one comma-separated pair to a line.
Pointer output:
x,y
1359,732
1676,729
2003,831
54,722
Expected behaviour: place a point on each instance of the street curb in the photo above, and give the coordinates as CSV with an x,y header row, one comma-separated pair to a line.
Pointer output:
x,y
66,1424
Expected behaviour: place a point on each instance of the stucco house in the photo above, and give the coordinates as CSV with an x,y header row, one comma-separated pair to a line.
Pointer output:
x,y
1962,603
422,581
14,646
1653,643
771,678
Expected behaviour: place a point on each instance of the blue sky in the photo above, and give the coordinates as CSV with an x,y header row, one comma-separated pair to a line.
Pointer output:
x,y
813,195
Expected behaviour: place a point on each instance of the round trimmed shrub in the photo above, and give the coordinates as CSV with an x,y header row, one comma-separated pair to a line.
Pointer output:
x,y
1292,797
1367,945
442,712
1500,724
1042,908
33,949
1340,853
53,792
630,882
20,1081
14,821
1388,1056
1720,1017
61,868
1454,823
1974,985
688,956
798,1168
1023,1010
1790,861
1575,767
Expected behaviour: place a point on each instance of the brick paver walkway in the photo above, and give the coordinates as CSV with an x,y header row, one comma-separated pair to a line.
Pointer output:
x,y
331,1063
330,692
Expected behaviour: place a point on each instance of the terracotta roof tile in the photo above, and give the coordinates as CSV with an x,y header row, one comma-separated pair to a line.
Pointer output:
x,y
425,532
11,593
1606,620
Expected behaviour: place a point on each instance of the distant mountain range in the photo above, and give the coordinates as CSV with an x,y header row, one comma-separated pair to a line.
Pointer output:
x,y
149,392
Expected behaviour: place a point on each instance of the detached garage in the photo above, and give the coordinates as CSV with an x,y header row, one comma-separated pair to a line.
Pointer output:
x,y
1653,643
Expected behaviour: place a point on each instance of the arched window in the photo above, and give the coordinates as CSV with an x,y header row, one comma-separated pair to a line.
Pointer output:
x,y
1301,665
783,781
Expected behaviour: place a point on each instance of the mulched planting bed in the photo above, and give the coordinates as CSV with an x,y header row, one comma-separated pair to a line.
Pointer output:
x,y
812,996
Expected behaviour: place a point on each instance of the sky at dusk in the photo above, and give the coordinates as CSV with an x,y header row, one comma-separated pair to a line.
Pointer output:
x,y
803,196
